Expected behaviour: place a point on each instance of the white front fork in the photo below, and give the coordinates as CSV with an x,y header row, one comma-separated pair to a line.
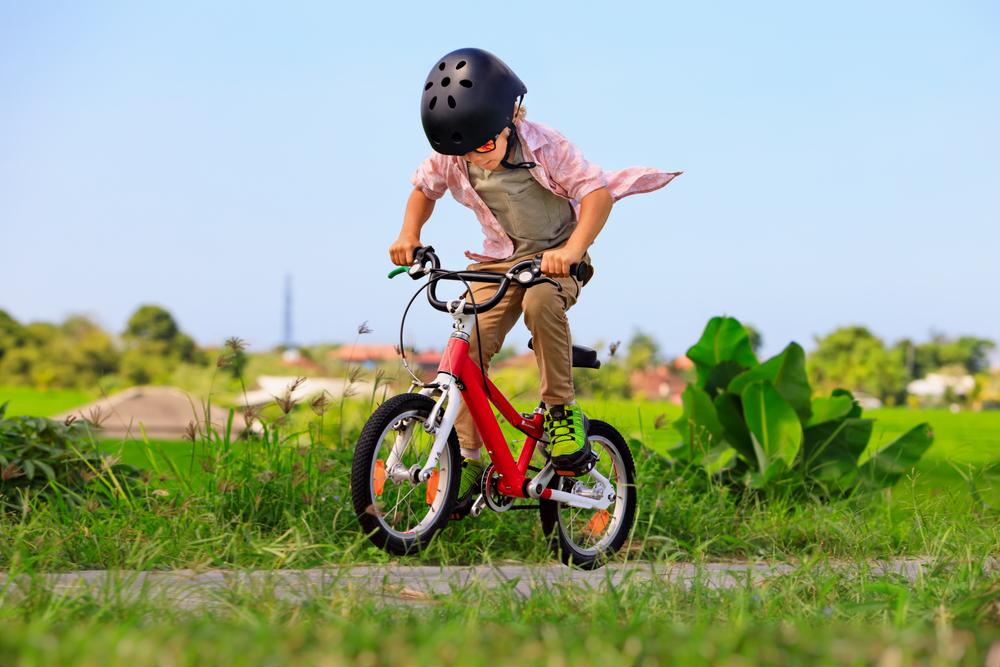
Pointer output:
x,y
450,395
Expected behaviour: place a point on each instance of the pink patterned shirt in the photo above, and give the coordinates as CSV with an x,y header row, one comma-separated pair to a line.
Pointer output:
x,y
561,168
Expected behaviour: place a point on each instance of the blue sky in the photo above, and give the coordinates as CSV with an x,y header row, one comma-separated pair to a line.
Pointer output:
x,y
842,162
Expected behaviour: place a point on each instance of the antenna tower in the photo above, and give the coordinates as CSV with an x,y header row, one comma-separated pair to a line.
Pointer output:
x,y
288,310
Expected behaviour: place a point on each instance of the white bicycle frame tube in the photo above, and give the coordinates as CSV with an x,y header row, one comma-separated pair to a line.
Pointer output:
x,y
571,499
579,501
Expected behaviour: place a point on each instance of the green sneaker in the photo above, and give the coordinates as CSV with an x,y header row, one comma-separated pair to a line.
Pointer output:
x,y
567,429
469,488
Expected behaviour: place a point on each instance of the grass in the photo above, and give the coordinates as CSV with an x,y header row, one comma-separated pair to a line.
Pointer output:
x,y
269,505
284,502
814,616
281,502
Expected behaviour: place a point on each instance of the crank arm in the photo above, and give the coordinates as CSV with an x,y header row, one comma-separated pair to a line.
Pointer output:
x,y
537,485
478,506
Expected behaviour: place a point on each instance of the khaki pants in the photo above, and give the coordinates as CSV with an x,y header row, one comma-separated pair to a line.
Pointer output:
x,y
544,309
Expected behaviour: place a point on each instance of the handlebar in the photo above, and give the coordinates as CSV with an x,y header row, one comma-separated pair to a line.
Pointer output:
x,y
526,273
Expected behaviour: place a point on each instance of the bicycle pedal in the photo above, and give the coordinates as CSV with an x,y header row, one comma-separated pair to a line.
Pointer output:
x,y
587,467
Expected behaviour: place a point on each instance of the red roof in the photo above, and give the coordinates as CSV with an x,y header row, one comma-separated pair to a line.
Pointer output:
x,y
523,359
428,358
682,363
658,384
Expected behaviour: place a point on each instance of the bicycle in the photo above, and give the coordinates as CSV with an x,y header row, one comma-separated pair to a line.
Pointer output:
x,y
407,464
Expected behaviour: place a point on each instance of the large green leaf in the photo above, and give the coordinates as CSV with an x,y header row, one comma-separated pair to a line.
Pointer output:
x,y
730,412
786,373
830,409
774,427
724,339
855,412
719,377
830,450
698,425
888,464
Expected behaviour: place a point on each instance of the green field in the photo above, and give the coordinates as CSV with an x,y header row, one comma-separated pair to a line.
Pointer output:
x,y
41,403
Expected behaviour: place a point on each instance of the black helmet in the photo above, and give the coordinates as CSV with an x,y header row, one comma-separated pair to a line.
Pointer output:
x,y
469,98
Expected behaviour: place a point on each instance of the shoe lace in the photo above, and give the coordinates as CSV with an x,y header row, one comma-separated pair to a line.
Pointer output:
x,y
561,430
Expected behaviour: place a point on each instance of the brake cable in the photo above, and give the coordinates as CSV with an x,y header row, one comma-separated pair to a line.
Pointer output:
x,y
402,323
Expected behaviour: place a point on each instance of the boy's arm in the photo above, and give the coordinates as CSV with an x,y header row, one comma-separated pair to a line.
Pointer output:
x,y
594,211
418,211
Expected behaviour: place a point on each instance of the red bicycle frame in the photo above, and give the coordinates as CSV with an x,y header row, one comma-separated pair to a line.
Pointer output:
x,y
477,397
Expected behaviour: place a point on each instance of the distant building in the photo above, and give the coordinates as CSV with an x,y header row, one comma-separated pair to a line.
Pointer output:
x,y
658,384
292,358
523,360
682,363
429,360
364,353
268,387
935,385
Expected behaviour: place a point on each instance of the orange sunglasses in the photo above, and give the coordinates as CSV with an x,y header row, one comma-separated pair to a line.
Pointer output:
x,y
490,145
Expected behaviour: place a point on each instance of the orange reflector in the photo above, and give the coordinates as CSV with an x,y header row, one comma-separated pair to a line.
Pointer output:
x,y
599,522
379,477
432,487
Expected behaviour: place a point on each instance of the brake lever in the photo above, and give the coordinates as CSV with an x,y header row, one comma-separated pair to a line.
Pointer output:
x,y
533,275
546,279
418,269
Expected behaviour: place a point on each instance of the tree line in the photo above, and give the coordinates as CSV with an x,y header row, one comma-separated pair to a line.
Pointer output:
x,y
854,358
79,354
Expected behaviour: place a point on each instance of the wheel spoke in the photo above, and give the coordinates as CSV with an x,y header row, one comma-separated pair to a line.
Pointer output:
x,y
409,493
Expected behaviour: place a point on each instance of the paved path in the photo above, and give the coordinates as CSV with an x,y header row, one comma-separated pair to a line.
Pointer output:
x,y
188,588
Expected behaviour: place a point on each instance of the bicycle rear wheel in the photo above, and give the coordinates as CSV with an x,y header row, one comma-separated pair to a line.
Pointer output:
x,y
586,538
398,515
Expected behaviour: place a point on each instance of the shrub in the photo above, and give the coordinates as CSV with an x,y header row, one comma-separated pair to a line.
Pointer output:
x,y
48,459
759,424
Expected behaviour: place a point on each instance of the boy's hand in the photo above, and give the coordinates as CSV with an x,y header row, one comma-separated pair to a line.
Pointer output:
x,y
556,262
401,252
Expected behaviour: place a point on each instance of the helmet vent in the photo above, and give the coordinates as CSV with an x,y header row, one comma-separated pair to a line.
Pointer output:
x,y
451,101
434,100
465,83
441,67
460,65
428,86
444,82
457,137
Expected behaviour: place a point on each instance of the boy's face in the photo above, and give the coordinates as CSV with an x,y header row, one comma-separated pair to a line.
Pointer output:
x,y
491,160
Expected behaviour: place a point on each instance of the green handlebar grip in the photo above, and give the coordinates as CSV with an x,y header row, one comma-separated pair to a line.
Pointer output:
x,y
400,269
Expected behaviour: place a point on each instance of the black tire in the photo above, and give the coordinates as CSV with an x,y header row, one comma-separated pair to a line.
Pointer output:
x,y
570,530
400,520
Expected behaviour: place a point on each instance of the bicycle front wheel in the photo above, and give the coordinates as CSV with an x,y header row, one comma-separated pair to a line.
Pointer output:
x,y
586,538
399,515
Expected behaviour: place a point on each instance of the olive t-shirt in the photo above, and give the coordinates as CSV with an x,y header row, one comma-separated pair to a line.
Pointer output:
x,y
534,218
